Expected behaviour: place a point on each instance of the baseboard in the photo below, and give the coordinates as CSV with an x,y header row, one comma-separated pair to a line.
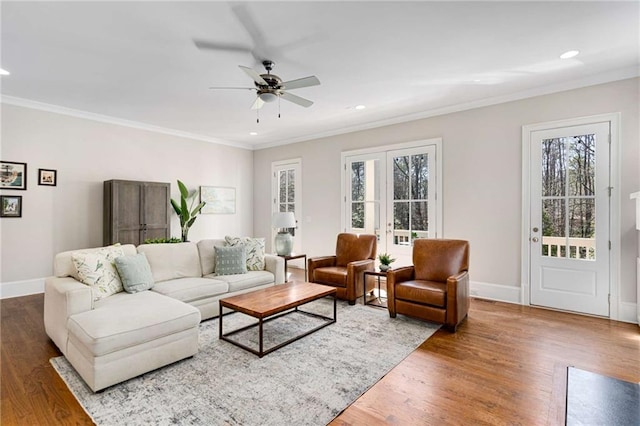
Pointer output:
x,y
628,312
502,293
21,288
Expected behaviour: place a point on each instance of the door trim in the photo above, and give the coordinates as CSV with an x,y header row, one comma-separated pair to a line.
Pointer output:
x,y
293,162
614,203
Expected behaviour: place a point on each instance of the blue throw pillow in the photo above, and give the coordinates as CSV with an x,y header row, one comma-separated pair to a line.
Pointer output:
x,y
134,272
231,260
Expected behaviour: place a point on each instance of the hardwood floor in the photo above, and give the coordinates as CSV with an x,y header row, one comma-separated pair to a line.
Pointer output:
x,y
505,365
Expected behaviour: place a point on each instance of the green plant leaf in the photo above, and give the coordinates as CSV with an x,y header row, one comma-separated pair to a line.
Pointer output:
x,y
183,190
198,208
193,219
174,203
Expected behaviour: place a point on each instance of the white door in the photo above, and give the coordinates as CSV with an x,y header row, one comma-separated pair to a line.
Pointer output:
x,y
286,196
392,194
569,218
411,195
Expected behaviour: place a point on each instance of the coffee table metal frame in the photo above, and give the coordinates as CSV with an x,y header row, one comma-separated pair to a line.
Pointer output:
x,y
285,310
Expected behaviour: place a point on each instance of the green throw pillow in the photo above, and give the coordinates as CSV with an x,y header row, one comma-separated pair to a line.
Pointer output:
x,y
231,260
135,272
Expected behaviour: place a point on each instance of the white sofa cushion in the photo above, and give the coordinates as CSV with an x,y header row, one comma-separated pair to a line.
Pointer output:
x,y
125,320
208,255
244,281
191,289
172,260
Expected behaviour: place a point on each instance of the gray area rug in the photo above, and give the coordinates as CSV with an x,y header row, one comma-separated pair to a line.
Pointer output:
x,y
308,382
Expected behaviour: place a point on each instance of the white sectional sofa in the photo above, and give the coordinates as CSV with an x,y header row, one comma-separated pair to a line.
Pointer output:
x,y
127,334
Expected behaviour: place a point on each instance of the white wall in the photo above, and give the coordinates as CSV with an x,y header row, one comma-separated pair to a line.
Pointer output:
x,y
482,178
85,153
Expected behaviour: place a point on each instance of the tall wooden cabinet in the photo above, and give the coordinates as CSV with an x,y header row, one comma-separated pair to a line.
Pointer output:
x,y
135,211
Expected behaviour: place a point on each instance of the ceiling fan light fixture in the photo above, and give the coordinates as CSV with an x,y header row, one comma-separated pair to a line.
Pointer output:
x,y
268,97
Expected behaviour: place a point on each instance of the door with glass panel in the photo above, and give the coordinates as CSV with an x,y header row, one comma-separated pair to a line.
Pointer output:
x,y
569,217
392,194
286,190
411,209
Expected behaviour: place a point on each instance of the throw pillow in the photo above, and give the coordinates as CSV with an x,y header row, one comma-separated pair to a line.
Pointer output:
x,y
231,260
255,250
135,272
96,269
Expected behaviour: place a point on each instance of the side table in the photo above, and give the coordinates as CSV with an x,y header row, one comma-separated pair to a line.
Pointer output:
x,y
291,257
380,302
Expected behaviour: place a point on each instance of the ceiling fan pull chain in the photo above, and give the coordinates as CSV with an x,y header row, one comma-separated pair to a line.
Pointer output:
x,y
258,116
278,106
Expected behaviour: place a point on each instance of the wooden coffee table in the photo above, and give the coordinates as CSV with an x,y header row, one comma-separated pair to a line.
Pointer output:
x,y
273,302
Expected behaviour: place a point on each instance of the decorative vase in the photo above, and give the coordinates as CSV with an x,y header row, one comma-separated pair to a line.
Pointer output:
x,y
284,243
384,268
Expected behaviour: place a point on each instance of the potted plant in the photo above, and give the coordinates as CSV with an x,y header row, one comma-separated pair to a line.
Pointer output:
x,y
385,261
187,214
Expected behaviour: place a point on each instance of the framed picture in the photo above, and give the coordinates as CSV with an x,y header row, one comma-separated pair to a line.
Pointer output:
x,y
47,177
10,205
13,175
218,199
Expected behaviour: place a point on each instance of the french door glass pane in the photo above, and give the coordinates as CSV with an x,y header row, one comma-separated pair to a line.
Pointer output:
x,y
553,167
568,197
291,185
419,177
357,181
401,178
357,215
419,217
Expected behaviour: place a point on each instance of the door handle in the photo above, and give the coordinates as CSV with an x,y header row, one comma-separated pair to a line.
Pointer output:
x,y
535,239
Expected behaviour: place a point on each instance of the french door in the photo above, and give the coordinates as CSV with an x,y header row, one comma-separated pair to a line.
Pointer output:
x,y
392,194
569,218
286,195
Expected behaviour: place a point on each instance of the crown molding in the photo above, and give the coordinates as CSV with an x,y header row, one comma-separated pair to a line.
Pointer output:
x,y
593,80
27,103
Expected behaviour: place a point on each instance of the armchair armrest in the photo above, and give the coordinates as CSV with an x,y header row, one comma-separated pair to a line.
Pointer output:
x,y
63,297
355,277
457,299
275,265
395,276
319,262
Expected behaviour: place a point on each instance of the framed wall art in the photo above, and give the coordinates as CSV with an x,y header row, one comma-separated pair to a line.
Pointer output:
x,y
47,177
10,206
13,175
218,199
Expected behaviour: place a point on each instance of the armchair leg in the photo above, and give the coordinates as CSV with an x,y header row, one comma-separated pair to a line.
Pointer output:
x,y
392,314
352,302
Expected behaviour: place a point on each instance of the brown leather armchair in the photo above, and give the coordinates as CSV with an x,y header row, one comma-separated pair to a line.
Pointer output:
x,y
436,287
354,255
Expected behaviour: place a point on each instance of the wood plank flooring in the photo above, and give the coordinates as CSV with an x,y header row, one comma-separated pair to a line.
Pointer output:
x,y
505,365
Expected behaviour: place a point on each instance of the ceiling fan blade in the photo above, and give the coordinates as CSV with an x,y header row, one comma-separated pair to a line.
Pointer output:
x,y
257,104
301,82
296,99
239,88
212,45
260,51
254,75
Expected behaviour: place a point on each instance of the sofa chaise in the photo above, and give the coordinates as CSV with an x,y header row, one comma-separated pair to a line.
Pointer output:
x,y
121,336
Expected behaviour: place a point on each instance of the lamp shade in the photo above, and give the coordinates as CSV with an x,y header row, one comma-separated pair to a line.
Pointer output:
x,y
284,220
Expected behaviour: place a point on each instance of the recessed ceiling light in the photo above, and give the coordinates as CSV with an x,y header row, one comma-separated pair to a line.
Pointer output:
x,y
253,133
4,72
569,54
360,107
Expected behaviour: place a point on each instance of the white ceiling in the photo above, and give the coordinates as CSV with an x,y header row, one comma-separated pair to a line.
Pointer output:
x,y
137,61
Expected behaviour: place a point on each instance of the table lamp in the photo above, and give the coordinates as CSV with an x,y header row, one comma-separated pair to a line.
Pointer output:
x,y
284,240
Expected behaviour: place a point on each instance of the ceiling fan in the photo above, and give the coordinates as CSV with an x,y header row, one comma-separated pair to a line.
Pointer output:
x,y
270,87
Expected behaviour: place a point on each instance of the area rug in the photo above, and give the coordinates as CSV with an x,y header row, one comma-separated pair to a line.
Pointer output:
x,y
308,382
593,399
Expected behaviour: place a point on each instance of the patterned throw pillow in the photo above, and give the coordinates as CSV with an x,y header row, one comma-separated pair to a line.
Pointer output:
x,y
231,260
96,269
255,250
